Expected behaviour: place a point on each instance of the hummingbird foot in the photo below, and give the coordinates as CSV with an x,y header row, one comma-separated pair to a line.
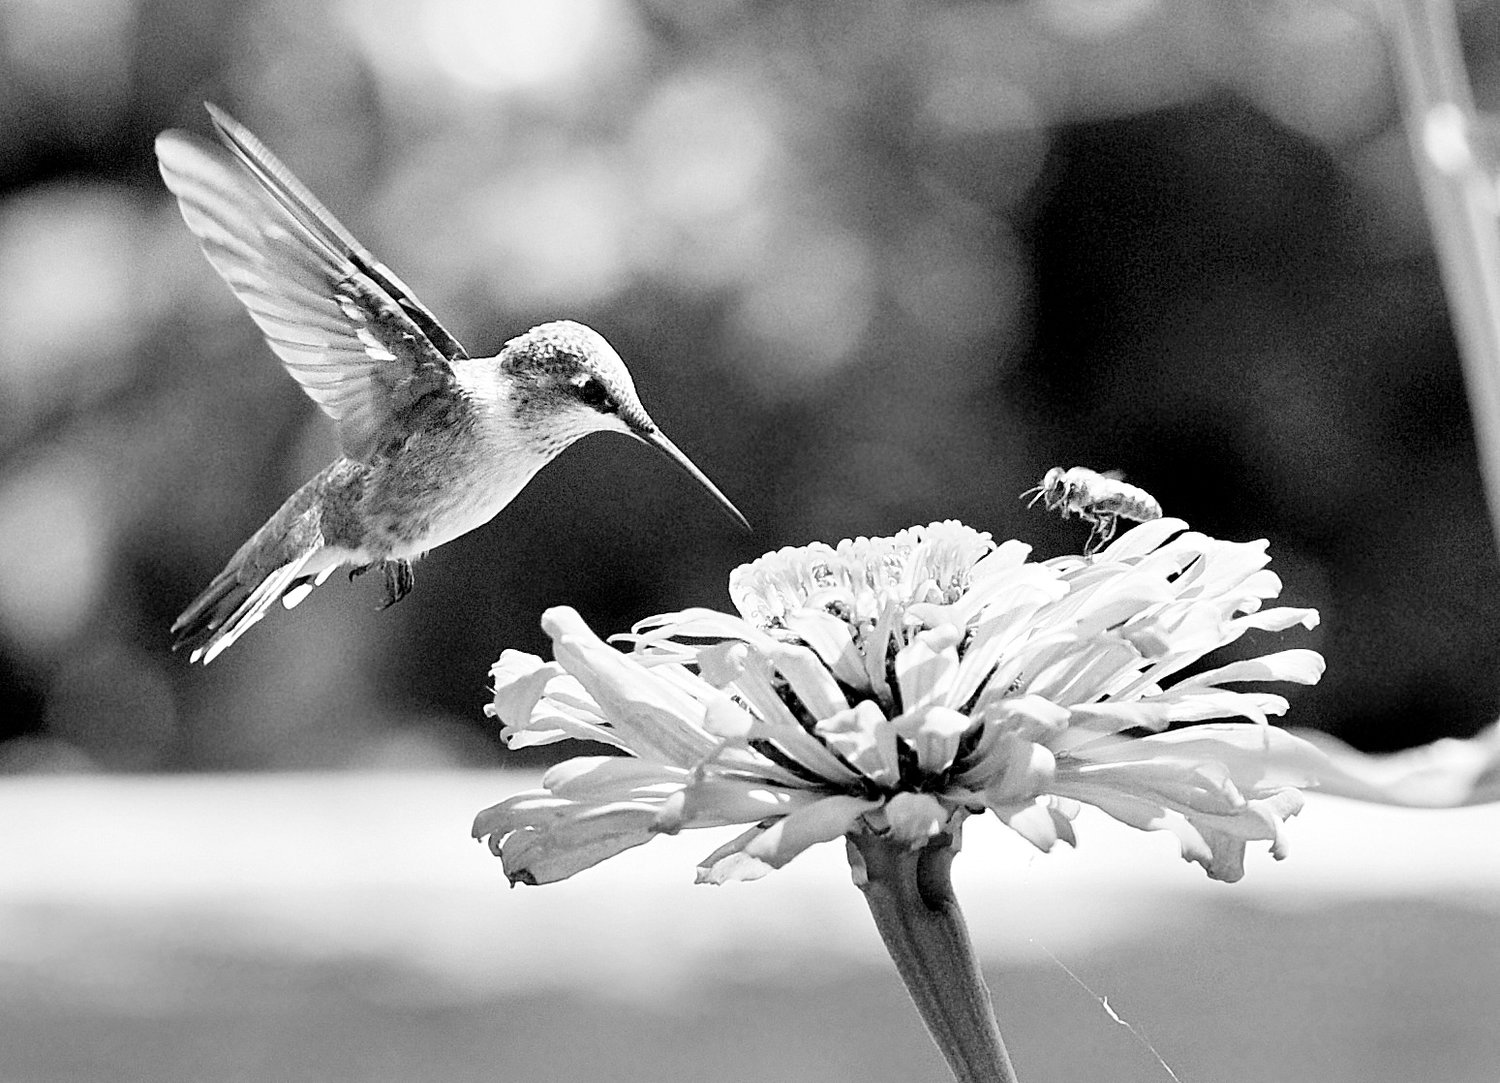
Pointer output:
x,y
399,579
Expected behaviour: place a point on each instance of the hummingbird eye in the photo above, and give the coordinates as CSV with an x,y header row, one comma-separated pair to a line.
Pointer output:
x,y
593,394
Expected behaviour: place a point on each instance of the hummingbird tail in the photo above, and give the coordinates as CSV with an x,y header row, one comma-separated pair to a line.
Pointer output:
x,y
233,602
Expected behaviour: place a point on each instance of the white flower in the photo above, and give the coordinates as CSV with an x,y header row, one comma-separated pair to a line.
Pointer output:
x,y
899,684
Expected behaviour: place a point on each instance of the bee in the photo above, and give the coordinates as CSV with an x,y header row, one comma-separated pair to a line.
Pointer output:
x,y
1100,499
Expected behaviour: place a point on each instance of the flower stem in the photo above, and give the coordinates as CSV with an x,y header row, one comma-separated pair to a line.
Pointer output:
x,y
1460,199
910,895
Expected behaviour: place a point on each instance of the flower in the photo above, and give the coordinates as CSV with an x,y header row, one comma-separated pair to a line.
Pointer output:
x,y
898,685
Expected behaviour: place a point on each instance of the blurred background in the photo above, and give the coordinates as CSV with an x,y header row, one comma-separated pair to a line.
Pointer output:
x,y
870,264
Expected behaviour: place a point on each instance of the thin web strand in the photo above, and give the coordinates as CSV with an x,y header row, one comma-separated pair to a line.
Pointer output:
x,y
1109,1011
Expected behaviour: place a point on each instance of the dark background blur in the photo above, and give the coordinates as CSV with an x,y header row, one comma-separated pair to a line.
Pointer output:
x,y
870,264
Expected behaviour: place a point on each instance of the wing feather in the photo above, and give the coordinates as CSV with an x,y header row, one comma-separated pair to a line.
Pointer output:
x,y
361,346
305,206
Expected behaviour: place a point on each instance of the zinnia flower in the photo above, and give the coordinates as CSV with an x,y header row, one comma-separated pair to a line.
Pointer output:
x,y
898,685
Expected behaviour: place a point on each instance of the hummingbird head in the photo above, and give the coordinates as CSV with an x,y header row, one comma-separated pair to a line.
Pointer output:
x,y
566,381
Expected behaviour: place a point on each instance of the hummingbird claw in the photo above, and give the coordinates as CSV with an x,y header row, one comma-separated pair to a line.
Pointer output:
x,y
399,579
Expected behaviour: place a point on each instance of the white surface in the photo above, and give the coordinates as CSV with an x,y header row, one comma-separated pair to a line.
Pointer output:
x,y
101,874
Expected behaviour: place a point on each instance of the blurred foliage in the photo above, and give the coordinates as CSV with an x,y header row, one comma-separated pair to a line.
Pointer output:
x,y
871,265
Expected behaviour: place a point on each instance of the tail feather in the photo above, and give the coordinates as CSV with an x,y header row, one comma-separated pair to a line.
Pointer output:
x,y
232,603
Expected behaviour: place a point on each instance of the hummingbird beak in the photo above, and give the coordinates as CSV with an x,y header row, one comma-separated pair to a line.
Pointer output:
x,y
656,439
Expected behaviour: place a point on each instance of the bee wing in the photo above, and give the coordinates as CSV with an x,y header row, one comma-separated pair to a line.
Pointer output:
x,y
350,332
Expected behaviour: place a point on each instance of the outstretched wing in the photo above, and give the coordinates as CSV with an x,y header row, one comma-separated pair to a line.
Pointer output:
x,y
346,328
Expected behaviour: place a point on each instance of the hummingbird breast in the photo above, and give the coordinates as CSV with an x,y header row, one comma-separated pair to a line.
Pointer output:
x,y
443,483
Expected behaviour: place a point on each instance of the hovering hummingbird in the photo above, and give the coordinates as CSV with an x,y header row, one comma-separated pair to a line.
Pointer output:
x,y
435,442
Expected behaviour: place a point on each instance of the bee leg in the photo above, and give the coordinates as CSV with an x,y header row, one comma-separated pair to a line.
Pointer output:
x,y
1104,530
357,571
399,579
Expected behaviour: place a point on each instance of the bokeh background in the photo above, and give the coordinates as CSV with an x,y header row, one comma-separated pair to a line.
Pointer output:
x,y
871,265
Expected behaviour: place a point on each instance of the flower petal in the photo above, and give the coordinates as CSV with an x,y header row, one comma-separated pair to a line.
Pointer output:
x,y
652,718
520,679
1034,821
541,839
611,778
714,800
865,739
1299,666
1018,770
530,717
831,638
809,679
915,818
1140,540
934,734
821,821
1157,713
1257,757
747,671
926,667
1274,620
730,863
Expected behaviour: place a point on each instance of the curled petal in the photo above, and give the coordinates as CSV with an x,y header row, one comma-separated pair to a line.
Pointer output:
x,y
1034,821
916,817
725,718
730,863
934,734
1225,566
1262,584
653,719
822,821
538,704
1298,666
1211,830
998,563
543,841
520,679
866,740
1274,620
1219,846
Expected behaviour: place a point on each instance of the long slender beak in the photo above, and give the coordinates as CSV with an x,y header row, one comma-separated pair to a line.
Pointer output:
x,y
656,439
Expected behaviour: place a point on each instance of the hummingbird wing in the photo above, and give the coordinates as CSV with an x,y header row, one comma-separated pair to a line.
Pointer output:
x,y
346,328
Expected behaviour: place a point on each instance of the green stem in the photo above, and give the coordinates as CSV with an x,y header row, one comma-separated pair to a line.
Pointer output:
x,y
910,895
1459,195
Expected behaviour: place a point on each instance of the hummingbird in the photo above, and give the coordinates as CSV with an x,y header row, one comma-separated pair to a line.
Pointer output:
x,y
435,442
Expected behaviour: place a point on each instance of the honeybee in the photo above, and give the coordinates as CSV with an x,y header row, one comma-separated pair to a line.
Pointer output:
x,y
1100,499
